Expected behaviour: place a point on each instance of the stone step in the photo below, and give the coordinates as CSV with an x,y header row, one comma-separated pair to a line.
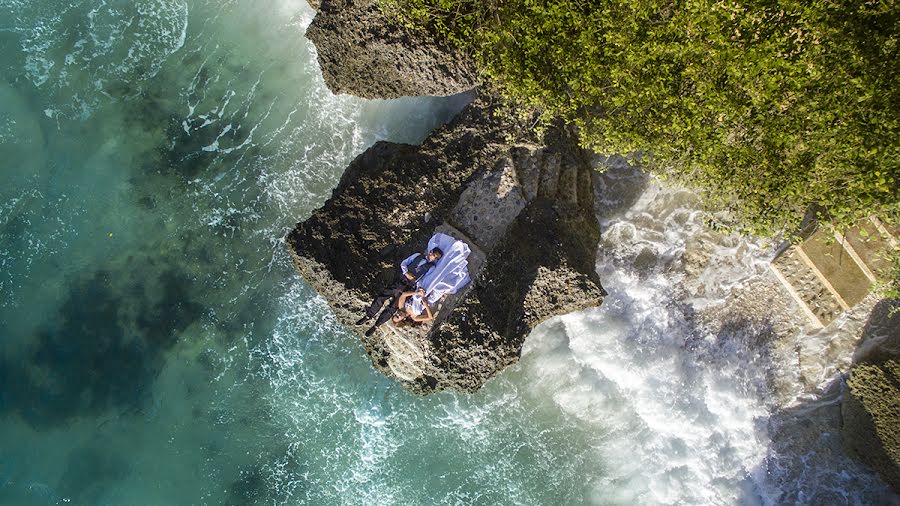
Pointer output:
x,y
838,268
868,242
828,274
805,285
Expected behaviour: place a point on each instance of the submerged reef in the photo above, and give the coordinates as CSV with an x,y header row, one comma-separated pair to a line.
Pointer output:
x,y
101,350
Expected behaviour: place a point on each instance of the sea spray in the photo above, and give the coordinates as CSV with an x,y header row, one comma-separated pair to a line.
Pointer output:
x,y
678,414
264,398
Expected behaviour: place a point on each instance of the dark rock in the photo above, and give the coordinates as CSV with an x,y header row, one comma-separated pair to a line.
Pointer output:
x,y
363,54
524,208
871,406
871,413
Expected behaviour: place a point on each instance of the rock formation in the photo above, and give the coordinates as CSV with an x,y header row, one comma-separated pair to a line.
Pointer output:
x,y
871,406
363,54
524,208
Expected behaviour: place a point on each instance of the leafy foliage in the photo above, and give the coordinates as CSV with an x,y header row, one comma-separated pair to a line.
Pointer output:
x,y
769,107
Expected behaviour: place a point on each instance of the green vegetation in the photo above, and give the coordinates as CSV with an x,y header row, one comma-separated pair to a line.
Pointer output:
x,y
770,108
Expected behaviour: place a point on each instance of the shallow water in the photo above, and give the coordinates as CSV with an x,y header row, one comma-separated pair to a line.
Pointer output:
x,y
158,347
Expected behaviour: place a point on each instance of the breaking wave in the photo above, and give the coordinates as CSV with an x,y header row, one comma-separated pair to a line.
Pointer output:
x,y
174,143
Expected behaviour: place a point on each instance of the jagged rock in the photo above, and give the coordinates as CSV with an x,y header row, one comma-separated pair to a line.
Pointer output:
x,y
871,406
524,208
363,54
871,414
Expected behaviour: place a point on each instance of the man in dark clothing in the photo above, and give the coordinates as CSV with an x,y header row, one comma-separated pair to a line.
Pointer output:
x,y
412,269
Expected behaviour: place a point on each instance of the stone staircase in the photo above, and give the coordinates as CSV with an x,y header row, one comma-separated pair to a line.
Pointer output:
x,y
829,274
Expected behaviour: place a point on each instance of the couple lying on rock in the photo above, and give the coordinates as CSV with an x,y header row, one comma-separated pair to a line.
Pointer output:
x,y
423,280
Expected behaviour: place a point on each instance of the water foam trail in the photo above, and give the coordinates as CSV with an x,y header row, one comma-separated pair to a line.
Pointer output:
x,y
83,55
637,398
32,226
679,411
274,145
648,409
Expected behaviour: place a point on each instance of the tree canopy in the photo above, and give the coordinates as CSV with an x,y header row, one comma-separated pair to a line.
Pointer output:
x,y
769,108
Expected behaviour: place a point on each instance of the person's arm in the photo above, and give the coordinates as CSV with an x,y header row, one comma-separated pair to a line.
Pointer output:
x,y
426,315
401,301
404,265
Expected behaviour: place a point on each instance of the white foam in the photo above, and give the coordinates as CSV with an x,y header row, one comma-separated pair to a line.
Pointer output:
x,y
46,227
675,418
113,43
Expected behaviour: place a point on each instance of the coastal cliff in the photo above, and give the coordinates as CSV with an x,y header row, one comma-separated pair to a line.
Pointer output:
x,y
362,54
524,208
523,205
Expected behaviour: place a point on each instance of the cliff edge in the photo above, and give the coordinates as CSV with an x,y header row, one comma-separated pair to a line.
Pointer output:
x,y
361,53
523,207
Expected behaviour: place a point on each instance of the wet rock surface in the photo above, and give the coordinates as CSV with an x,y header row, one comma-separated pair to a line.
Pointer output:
x,y
363,54
525,208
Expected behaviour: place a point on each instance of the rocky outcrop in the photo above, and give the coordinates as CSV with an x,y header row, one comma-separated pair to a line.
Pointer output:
x,y
361,53
871,406
525,209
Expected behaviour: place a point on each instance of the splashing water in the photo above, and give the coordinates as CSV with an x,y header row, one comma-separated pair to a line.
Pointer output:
x,y
679,414
158,346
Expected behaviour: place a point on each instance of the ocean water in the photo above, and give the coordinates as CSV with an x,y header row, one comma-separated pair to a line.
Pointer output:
x,y
157,347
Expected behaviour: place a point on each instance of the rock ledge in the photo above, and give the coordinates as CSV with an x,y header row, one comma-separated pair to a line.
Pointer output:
x,y
525,209
362,54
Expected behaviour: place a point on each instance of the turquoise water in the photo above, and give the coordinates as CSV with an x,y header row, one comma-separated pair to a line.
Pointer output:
x,y
158,347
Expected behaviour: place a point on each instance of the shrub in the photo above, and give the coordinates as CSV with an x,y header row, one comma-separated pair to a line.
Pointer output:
x,y
769,108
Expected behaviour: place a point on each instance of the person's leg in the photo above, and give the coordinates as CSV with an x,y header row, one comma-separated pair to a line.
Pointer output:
x,y
382,318
377,304
386,314
395,300
387,294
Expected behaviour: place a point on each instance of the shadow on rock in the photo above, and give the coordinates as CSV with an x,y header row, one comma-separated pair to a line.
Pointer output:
x,y
545,259
827,449
807,464
881,334
871,407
